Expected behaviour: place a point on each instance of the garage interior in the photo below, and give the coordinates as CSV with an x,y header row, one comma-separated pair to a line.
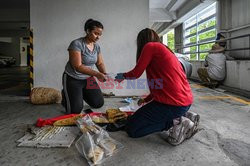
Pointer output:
x,y
225,110
14,46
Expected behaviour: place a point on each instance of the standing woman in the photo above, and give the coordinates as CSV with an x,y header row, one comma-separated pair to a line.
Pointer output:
x,y
78,78
170,94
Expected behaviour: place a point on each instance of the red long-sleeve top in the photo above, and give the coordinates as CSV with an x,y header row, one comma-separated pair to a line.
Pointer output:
x,y
166,78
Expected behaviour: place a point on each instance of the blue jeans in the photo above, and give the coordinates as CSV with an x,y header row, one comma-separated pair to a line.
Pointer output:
x,y
153,117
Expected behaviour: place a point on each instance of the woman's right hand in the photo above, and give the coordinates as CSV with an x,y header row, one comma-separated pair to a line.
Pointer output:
x,y
101,77
119,77
141,101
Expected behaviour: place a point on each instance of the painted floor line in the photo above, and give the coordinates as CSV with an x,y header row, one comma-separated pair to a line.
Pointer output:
x,y
240,100
197,86
224,97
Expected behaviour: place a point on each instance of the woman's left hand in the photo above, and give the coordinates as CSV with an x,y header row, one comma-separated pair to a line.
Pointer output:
x,y
101,77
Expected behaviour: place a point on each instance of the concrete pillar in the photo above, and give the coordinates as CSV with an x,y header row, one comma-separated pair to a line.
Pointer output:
x,y
224,15
178,35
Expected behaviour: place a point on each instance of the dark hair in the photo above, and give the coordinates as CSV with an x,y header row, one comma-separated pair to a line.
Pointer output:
x,y
219,35
146,35
91,24
221,43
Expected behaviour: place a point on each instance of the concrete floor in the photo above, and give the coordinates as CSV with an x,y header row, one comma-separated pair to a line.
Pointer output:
x,y
224,140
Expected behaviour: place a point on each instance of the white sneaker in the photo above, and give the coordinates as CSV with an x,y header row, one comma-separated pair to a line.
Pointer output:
x,y
194,117
179,132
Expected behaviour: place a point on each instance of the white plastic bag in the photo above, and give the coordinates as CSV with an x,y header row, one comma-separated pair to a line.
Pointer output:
x,y
95,144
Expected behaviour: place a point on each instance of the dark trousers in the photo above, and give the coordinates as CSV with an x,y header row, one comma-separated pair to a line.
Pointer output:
x,y
153,117
75,91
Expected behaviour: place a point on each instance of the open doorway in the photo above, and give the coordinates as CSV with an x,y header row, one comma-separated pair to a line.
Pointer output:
x,y
14,43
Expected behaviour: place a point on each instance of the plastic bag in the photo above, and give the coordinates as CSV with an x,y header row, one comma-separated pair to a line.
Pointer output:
x,y
133,106
95,144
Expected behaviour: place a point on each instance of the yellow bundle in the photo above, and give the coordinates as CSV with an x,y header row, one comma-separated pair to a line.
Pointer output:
x,y
67,121
99,119
115,114
41,95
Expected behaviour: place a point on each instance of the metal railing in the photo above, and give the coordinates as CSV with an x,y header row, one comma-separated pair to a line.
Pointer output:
x,y
213,41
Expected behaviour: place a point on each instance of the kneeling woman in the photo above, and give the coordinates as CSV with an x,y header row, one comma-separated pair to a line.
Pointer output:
x,y
78,79
170,94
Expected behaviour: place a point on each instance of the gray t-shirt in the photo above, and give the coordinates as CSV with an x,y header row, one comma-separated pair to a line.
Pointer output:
x,y
89,58
216,63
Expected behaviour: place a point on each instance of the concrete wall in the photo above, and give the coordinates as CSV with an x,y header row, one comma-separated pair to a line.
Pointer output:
x,y
56,23
240,13
234,20
178,35
238,73
195,66
240,17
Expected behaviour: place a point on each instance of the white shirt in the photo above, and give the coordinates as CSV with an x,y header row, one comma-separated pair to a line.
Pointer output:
x,y
216,66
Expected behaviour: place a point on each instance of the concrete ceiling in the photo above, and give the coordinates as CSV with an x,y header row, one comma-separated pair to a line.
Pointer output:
x,y
158,3
164,10
14,15
14,4
165,15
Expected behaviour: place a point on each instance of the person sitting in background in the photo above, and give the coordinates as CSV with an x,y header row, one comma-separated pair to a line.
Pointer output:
x,y
215,67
